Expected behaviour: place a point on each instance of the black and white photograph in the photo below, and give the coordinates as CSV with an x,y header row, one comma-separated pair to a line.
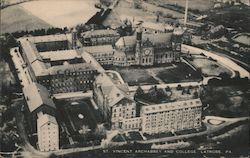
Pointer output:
x,y
124,78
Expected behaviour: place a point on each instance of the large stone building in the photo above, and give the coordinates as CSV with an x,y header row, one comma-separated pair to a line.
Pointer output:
x,y
99,37
148,49
114,101
38,100
47,132
102,54
173,116
53,63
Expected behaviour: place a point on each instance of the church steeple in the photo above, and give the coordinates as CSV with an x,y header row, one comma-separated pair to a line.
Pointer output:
x,y
138,44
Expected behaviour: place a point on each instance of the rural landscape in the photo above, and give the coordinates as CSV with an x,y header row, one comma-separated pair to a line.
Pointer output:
x,y
124,78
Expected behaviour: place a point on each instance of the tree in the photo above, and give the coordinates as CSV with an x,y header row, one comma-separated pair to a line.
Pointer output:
x,y
137,4
139,93
179,87
100,131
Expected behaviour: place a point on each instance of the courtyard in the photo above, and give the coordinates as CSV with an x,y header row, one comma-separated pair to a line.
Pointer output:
x,y
77,114
170,73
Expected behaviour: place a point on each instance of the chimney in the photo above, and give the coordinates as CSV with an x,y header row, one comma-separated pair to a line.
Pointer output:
x,y
186,12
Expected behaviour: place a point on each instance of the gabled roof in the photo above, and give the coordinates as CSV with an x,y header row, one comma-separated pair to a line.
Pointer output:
x,y
98,49
163,38
37,95
60,55
112,92
99,33
45,119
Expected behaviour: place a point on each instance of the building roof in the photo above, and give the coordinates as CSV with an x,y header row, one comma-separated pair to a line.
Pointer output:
x,y
163,38
30,51
39,68
44,119
119,53
60,55
47,38
99,33
157,26
171,106
98,49
37,95
61,69
112,92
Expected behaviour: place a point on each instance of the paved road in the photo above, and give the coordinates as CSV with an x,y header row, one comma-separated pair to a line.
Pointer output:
x,y
211,129
221,59
173,85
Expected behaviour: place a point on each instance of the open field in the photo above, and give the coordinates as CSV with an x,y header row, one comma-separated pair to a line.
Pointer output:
x,y
62,13
124,10
44,14
210,67
181,73
14,18
136,76
242,38
155,75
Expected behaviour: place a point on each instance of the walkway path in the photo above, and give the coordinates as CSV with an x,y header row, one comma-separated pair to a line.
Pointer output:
x,y
223,60
210,130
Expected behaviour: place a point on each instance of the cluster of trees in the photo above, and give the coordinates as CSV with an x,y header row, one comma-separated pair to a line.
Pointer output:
x,y
7,42
8,132
154,95
41,32
227,81
106,3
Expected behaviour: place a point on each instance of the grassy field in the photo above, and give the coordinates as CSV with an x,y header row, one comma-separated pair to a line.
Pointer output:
x,y
61,13
123,11
14,18
155,75
210,67
136,76
181,73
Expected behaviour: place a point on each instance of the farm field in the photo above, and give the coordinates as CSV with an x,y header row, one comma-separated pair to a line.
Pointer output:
x,y
44,14
124,10
62,13
15,18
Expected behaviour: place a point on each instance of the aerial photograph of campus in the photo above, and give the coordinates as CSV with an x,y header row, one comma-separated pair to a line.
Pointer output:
x,y
124,78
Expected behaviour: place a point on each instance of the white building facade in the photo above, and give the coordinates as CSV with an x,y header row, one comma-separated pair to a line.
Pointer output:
x,y
174,116
47,132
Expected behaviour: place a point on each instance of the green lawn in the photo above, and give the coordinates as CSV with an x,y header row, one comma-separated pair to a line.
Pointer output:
x,y
136,76
14,18
210,67
181,73
155,75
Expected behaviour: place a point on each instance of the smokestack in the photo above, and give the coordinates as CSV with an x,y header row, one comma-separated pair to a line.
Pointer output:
x,y
186,12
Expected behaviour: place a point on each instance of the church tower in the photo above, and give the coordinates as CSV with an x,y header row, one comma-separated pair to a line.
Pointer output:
x,y
177,40
138,48
74,39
